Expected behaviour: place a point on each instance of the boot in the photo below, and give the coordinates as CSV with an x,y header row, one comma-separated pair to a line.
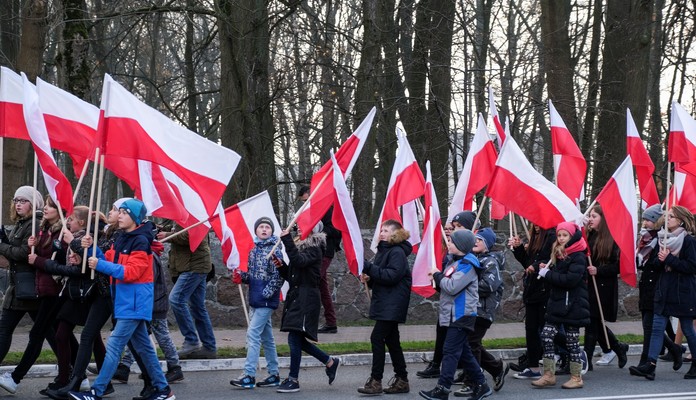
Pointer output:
x,y
677,357
621,351
397,384
372,386
431,371
575,381
646,370
62,393
691,374
549,377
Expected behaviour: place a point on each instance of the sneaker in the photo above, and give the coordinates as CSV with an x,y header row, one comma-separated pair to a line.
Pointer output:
x,y
91,395
84,385
122,373
607,358
331,371
187,349
145,393
244,381
174,374
203,353
327,329
459,379
7,383
585,363
465,391
271,380
527,374
499,380
439,393
165,394
431,371
289,386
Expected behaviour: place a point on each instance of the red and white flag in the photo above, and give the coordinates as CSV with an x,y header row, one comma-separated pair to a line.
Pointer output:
x,y
240,219
431,252
406,184
682,136
477,170
345,220
57,184
131,129
524,191
321,191
569,165
642,163
619,203
11,110
499,131
683,192
498,211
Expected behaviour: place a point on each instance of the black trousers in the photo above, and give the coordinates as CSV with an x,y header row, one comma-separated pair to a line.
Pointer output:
x,y
99,313
440,335
386,333
43,324
485,359
595,333
533,324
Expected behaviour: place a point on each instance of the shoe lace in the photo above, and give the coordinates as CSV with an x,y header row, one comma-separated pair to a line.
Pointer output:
x,y
392,381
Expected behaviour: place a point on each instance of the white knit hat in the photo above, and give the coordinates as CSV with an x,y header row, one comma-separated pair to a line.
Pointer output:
x,y
27,193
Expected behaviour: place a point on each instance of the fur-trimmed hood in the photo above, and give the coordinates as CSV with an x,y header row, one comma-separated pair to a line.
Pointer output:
x,y
313,240
399,236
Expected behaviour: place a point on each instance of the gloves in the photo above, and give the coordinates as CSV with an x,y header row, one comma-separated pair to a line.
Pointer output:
x,y
543,272
236,277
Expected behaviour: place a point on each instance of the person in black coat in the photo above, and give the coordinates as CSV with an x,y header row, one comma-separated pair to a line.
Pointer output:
x,y
675,293
604,271
568,305
302,305
389,277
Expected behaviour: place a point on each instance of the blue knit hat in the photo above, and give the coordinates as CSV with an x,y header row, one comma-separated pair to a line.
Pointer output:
x,y
135,209
488,237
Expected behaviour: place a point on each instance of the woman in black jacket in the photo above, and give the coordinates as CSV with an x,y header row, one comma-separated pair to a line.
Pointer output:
x,y
604,270
389,277
302,303
675,293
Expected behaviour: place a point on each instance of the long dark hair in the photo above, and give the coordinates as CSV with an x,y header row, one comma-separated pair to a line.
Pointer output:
x,y
603,244
536,240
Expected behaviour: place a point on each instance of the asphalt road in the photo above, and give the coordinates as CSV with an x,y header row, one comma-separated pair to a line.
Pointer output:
x,y
603,383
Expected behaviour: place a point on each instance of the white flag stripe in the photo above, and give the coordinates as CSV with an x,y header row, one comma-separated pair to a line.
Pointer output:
x,y
10,86
57,102
348,211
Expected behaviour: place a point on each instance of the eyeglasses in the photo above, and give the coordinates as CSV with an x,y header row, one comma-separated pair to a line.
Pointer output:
x,y
20,201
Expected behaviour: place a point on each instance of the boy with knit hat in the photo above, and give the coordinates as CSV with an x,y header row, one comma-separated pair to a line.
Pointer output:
x,y
264,282
129,264
459,298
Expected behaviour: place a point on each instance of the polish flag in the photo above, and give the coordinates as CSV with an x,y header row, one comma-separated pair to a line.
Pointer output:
x,y
345,220
498,211
431,253
682,136
406,184
683,192
477,171
500,132
523,190
131,129
409,215
569,165
240,219
346,156
11,99
618,201
642,162
57,184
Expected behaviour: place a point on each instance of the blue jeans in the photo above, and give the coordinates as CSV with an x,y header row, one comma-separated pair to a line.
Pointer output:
x,y
187,301
657,335
160,329
260,333
298,343
135,331
457,350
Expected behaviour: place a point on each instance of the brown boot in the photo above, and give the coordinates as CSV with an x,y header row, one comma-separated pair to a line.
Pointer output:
x,y
549,376
372,386
397,385
575,381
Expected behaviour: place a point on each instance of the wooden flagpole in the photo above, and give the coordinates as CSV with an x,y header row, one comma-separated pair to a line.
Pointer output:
x,y
91,206
599,304
79,181
96,211
34,199
478,212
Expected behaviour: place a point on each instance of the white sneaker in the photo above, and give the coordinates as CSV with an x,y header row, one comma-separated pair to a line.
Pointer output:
x,y
7,383
84,385
606,359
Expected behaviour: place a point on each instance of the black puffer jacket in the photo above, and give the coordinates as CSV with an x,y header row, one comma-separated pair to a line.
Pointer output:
x,y
568,303
303,301
16,251
607,283
675,294
390,279
651,269
536,291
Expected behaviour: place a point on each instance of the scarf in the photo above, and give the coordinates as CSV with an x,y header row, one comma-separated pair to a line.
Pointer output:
x,y
646,244
673,240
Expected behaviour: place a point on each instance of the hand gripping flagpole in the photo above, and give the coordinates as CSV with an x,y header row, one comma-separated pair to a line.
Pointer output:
x,y
91,206
96,213
34,200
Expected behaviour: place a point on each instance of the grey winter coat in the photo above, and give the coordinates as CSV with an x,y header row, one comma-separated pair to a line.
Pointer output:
x,y
459,297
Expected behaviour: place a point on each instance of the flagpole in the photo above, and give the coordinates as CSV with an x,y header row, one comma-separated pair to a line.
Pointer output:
x,y
91,206
478,212
510,217
98,205
244,306
79,181
297,214
524,225
2,170
33,203
599,305
663,245
63,223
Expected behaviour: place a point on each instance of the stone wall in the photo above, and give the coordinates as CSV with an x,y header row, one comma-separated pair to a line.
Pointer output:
x,y
352,304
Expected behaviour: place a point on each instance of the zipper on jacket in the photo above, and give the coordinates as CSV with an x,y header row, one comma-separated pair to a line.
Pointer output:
x,y
567,294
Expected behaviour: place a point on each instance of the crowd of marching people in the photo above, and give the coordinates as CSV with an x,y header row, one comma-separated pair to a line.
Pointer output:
x,y
62,279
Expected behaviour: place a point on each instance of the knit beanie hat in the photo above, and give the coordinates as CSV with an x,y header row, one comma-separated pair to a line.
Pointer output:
x,y
263,220
117,203
488,237
135,209
569,227
465,219
27,193
464,240
653,213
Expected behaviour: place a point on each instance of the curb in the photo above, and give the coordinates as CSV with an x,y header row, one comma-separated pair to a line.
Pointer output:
x,y
229,364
